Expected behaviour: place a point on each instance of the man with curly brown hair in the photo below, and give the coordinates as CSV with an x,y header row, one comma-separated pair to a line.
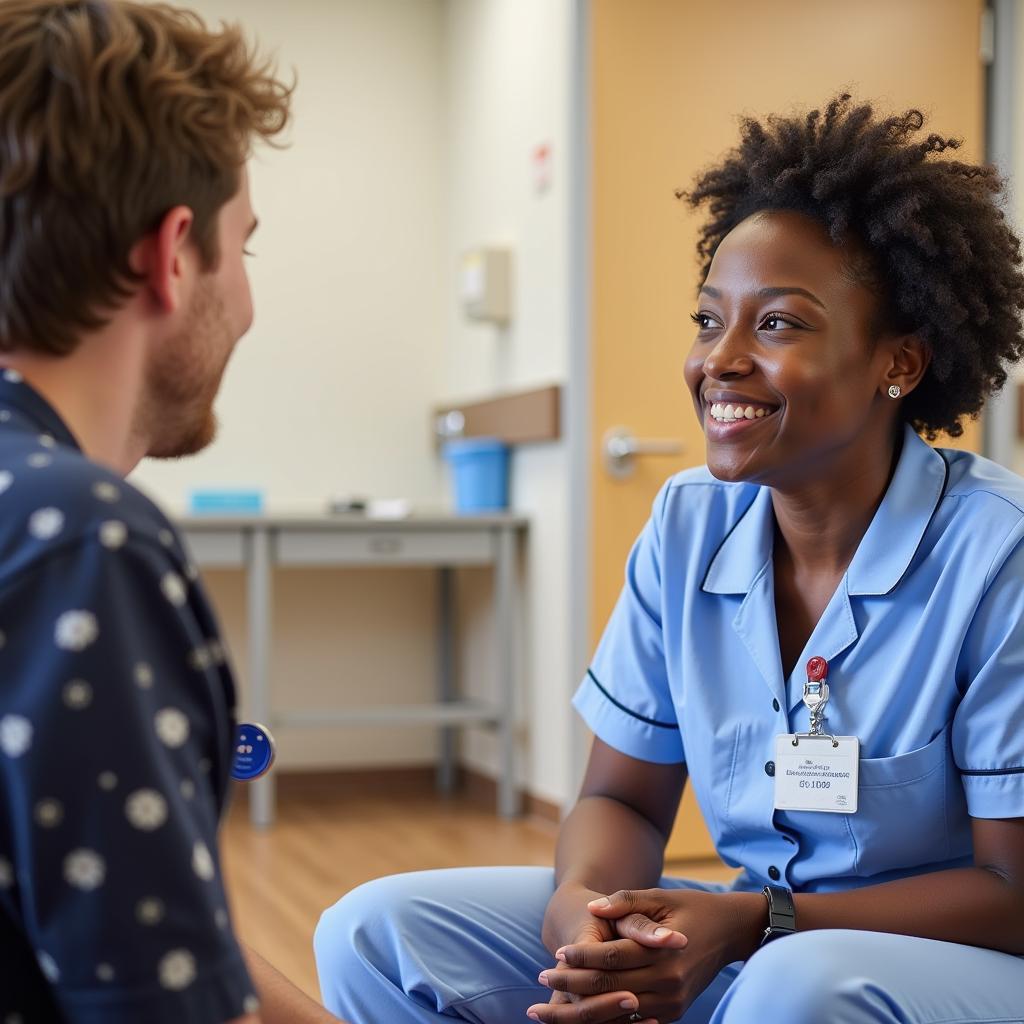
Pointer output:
x,y
125,130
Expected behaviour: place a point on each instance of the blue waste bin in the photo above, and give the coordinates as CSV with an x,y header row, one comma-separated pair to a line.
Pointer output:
x,y
479,474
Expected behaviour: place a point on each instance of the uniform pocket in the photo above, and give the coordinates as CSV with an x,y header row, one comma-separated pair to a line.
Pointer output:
x,y
901,814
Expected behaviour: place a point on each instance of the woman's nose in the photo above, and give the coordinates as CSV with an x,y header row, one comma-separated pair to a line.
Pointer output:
x,y
729,357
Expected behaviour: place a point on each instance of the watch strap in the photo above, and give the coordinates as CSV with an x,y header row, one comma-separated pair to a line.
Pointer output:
x,y
781,913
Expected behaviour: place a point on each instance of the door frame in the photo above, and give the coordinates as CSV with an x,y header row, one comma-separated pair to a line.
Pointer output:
x,y
1004,139
577,424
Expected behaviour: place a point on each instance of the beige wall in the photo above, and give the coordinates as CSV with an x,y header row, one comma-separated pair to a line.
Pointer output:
x,y
330,391
507,79
414,124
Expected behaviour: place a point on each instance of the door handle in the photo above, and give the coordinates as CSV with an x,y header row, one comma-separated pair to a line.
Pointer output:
x,y
619,450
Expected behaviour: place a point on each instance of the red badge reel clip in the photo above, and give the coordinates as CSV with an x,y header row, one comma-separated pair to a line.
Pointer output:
x,y
816,697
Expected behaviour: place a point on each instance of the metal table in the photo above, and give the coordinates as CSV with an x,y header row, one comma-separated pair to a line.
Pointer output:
x,y
259,543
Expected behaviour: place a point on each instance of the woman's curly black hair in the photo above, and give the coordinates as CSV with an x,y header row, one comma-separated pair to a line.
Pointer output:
x,y
944,260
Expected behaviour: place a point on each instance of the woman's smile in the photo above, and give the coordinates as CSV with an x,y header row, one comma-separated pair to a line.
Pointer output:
x,y
727,413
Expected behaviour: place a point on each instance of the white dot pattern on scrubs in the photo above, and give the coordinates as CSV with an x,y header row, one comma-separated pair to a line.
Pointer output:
x,y
49,813
77,694
76,630
120,610
113,534
200,659
202,862
149,911
106,491
146,809
15,735
49,967
171,727
174,589
177,969
46,523
84,869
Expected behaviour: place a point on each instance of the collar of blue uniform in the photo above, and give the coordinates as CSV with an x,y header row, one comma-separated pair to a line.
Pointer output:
x,y
886,550
15,394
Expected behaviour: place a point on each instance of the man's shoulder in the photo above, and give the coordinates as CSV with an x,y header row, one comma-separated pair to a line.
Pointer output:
x,y
52,498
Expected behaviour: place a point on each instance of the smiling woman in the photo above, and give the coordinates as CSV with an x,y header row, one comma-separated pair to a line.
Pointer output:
x,y
918,230
859,288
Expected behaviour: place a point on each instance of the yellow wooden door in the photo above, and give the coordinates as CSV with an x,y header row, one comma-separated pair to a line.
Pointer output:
x,y
669,78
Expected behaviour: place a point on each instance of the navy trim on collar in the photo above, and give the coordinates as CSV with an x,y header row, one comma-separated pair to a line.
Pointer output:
x,y
886,551
744,550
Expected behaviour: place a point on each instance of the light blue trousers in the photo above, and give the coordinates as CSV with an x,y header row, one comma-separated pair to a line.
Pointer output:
x,y
464,944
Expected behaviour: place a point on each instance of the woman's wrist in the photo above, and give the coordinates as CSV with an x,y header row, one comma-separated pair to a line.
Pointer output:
x,y
749,916
566,908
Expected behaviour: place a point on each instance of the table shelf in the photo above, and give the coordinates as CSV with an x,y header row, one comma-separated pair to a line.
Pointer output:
x,y
259,544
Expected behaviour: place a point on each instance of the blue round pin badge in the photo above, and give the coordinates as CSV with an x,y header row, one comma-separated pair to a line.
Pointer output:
x,y
254,752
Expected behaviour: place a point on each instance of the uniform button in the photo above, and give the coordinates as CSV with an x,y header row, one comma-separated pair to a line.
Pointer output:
x,y
773,873
775,704
769,767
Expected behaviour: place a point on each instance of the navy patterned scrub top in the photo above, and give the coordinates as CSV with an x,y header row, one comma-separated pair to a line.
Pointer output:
x,y
116,723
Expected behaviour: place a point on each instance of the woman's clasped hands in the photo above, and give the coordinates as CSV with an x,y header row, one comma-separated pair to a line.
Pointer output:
x,y
647,954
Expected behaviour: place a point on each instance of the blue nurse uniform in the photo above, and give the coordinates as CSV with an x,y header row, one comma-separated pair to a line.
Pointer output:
x,y
924,637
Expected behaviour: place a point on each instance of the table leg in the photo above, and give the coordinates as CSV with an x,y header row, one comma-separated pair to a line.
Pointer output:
x,y
504,635
260,582
446,765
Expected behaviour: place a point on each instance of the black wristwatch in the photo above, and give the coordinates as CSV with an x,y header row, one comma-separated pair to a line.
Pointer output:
x,y
781,914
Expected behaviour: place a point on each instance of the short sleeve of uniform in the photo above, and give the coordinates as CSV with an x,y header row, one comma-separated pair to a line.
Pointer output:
x,y
988,727
114,734
625,697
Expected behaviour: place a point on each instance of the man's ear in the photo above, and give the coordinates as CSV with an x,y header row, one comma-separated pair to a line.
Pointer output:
x,y
163,257
910,359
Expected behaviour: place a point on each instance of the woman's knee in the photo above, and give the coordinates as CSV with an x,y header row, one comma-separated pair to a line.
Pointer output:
x,y
802,979
365,913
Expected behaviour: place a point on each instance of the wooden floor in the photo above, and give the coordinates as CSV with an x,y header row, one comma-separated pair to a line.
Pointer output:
x,y
332,835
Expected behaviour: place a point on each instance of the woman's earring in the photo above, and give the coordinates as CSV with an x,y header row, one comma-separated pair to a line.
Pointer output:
x,y
895,391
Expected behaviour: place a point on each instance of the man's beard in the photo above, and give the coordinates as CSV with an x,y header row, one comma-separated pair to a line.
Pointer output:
x,y
175,416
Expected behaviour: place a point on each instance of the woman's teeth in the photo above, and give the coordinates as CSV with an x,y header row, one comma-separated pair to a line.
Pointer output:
x,y
728,413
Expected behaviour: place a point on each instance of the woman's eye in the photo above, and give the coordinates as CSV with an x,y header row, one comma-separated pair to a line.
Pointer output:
x,y
774,322
702,320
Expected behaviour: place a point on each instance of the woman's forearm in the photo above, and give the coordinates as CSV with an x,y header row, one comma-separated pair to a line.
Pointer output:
x,y
605,845
974,906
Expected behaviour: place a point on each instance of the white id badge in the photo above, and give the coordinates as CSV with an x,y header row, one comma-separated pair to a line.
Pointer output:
x,y
814,775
